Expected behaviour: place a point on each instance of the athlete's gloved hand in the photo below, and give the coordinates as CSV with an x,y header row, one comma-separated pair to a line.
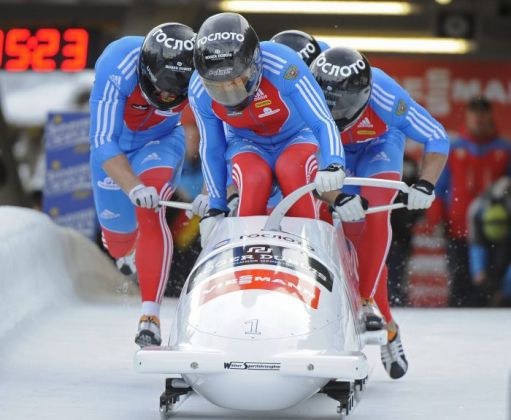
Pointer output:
x,y
144,196
200,205
208,223
330,178
233,202
350,207
421,195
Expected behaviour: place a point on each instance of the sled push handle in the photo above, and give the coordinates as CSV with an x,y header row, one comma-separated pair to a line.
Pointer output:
x,y
273,222
176,205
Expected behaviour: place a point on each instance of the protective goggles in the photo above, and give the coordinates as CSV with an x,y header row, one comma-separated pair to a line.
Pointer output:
x,y
234,92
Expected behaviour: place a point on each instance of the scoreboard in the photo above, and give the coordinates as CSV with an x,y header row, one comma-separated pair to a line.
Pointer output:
x,y
44,49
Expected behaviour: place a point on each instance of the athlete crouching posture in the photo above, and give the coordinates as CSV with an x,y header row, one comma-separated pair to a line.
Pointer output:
x,y
374,115
274,116
137,150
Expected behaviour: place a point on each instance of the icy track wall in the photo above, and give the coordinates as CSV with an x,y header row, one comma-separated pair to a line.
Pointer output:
x,y
44,265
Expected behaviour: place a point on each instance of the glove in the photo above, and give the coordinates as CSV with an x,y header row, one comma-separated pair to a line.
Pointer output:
x,y
232,202
330,179
421,195
200,205
145,197
350,207
208,223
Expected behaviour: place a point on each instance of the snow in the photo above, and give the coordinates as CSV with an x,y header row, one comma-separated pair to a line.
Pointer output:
x,y
73,358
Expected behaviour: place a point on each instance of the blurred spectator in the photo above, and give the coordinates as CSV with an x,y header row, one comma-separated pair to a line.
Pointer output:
x,y
402,221
490,245
477,159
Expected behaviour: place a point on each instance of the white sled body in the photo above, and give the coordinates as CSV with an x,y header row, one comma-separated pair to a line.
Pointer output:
x,y
266,318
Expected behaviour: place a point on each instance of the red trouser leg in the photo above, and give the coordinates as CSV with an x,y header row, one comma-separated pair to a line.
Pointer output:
x,y
118,244
374,244
253,177
381,296
295,167
323,210
153,254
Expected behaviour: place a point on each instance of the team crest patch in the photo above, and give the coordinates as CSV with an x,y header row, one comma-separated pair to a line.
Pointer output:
x,y
401,107
291,72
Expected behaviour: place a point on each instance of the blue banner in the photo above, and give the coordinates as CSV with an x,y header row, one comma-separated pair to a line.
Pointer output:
x,y
67,194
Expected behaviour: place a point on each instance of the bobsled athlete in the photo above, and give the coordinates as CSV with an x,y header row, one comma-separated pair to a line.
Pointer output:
x,y
275,120
307,47
137,150
374,116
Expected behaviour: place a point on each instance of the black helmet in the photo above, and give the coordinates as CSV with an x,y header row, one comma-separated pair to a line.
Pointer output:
x,y
344,75
303,43
166,65
228,59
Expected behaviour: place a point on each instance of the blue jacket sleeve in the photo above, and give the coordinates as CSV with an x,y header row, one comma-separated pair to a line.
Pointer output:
x,y
114,80
310,102
212,145
404,113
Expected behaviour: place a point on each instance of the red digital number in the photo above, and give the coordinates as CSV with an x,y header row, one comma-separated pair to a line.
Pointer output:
x,y
76,50
48,45
39,52
16,46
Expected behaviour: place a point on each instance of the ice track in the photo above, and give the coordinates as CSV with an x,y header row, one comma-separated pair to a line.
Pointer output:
x,y
66,345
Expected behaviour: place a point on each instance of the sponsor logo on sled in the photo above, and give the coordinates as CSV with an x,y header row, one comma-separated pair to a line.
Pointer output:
x,y
261,279
252,365
108,184
253,255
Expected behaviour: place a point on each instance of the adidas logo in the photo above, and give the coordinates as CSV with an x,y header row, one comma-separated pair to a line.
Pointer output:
x,y
260,95
108,215
380,156
365,123
151,156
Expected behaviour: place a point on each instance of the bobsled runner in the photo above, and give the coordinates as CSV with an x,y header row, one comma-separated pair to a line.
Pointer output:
x,y
269,316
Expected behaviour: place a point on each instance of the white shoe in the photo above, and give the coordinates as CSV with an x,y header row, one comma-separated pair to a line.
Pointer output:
x,y
126,264
372,318
149,333
392,353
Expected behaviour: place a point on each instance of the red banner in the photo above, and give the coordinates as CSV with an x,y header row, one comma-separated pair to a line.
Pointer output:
x,y
444,86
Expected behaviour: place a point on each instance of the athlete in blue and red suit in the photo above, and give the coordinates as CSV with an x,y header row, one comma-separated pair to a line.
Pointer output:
x,y
375,115
137,150
259,108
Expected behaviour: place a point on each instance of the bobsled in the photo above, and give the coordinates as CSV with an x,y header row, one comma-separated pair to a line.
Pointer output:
x,y
269,315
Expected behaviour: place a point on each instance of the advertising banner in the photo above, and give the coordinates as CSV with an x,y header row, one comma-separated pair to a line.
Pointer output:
x,y
444,86
67,194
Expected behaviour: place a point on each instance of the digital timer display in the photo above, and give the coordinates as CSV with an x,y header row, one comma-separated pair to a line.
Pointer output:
x,y
44,49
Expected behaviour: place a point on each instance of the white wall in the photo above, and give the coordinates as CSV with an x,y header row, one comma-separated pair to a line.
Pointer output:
x,y
43,265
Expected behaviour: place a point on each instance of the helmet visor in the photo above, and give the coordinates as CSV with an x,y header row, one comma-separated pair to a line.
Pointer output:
x,y
162,99
231,93
346,107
